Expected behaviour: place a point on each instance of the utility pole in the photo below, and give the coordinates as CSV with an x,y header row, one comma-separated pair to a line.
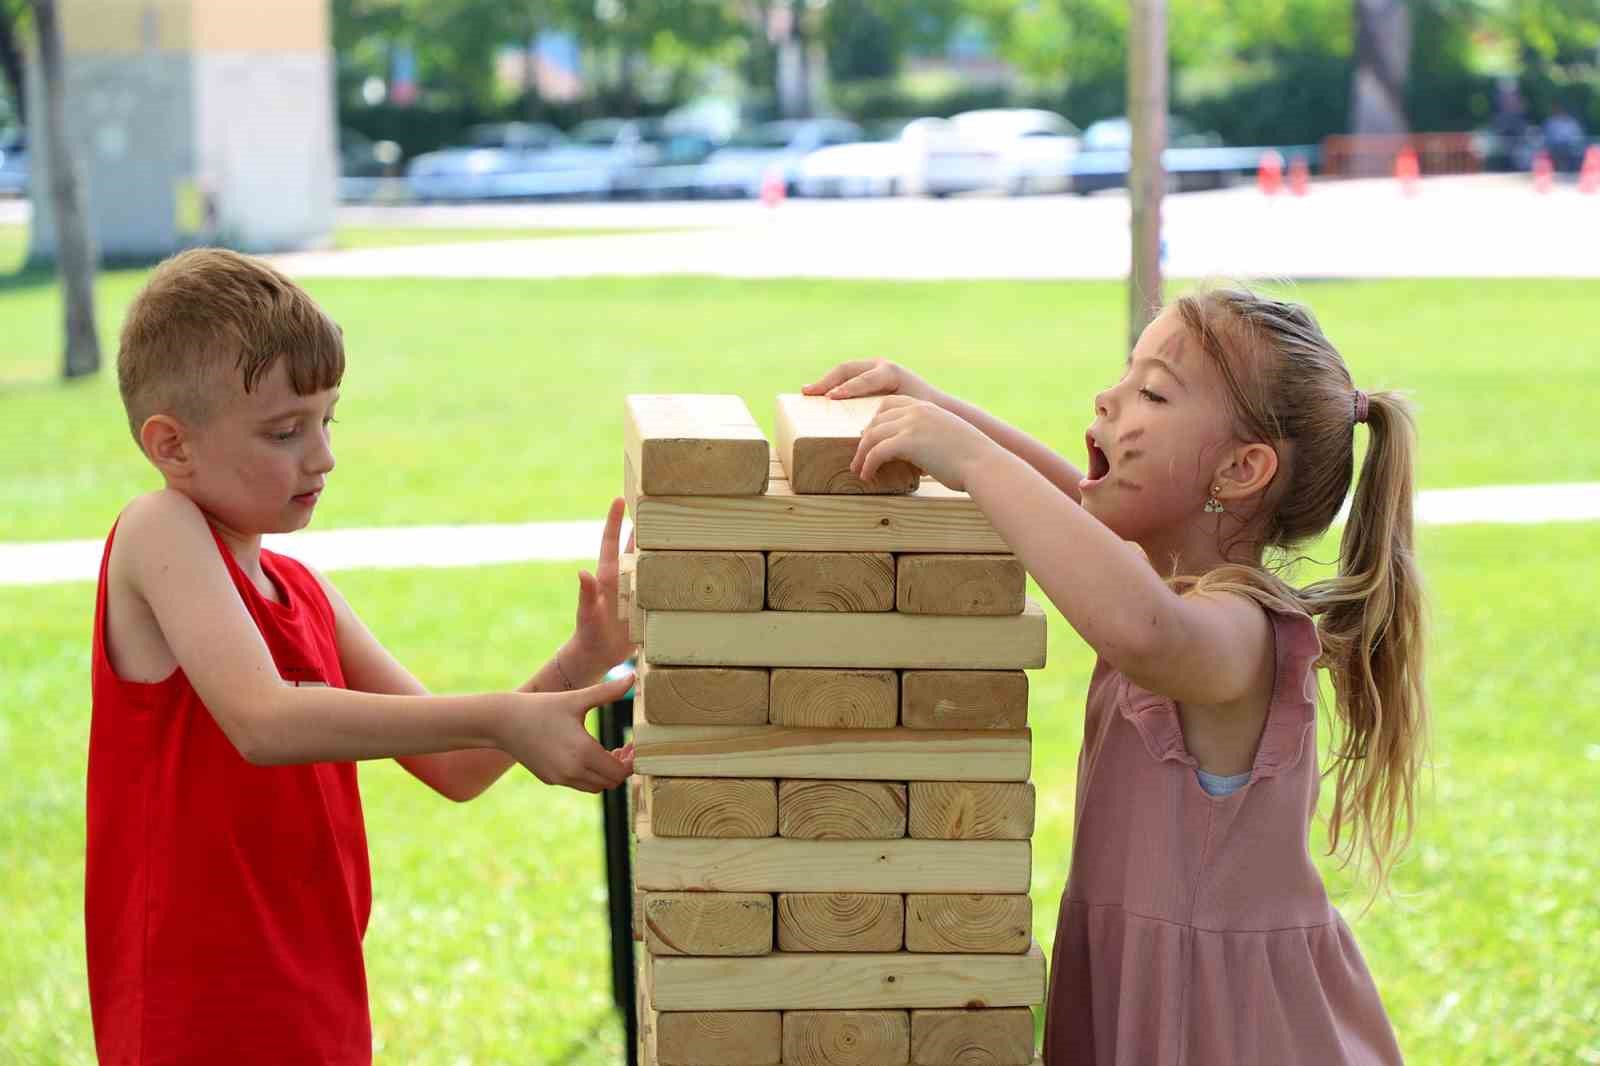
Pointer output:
x,y
1147,114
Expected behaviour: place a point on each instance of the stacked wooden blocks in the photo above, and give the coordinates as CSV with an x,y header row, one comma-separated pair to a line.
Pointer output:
x,y
833,810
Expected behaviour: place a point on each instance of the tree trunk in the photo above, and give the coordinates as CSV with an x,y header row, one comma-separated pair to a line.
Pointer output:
x,y
75,251
1383,58
11,60
1147,114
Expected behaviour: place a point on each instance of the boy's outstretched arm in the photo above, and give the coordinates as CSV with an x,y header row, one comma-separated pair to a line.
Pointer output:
x,y
172,563
879,377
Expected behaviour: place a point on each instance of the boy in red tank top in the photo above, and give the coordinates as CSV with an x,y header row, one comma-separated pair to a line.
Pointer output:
x,y
227,888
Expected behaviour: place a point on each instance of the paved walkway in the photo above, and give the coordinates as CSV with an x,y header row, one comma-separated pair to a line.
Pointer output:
x,y
50,562
1481,226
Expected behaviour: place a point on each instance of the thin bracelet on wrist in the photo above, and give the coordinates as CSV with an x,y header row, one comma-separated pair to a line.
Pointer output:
x,y
562,673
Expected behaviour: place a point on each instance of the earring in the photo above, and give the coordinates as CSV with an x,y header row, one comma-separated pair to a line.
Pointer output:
x,y
1214,505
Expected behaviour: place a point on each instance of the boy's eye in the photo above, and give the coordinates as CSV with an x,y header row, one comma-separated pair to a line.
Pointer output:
x,y
1152,397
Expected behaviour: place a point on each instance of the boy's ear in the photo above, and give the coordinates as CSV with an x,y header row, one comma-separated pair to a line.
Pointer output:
x,y
166,442
1250,471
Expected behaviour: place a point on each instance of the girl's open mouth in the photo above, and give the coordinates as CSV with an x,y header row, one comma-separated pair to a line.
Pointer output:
x,y
1099,464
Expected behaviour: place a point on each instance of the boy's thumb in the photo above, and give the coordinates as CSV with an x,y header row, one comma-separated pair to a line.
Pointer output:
x,y
605,692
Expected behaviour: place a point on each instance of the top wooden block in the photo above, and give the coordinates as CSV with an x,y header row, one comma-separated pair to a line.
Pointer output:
x,y
817,439
695,445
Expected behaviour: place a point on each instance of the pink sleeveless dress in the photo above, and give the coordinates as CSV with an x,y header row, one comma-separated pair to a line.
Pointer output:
x,y
1195,931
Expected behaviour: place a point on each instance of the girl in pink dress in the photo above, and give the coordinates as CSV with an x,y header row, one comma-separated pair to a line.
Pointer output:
x,y
1195,928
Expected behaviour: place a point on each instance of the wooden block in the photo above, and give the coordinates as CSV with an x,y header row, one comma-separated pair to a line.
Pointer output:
x,y
626,564
841,810
964,699
713,807
801,638
719,1038
841,921
831,754
708,923
846,1038
835,699
817,439
933,519
636,626
704,695
775,864
695,445
830,581
828,981
971,810
1001,1036
986,924
700,581
959,584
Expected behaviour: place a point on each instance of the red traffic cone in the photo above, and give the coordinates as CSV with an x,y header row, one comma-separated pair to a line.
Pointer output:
x,y
773,187
1589,174
1299,176
1269,177
1544,172
1407,170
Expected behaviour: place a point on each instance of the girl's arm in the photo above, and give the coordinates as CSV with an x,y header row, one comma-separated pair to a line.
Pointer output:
x,y
877,377
173,564
1202,649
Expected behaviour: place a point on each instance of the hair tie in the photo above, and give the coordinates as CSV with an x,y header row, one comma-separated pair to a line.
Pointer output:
x,y
1361,406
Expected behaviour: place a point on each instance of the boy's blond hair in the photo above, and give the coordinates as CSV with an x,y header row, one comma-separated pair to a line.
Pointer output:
x,y
209,311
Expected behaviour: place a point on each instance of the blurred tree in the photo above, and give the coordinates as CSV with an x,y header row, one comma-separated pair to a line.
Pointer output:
x,y
1382,65
75,250
869,39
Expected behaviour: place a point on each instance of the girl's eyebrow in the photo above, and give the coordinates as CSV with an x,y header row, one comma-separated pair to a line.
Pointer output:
x,y
1160,363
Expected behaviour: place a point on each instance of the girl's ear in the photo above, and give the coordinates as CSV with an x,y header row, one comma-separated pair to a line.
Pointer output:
x,y
1250,469
166,442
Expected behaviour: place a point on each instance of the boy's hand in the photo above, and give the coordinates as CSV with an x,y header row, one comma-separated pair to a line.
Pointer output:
x,y
545,732
869,377
600,639
923,434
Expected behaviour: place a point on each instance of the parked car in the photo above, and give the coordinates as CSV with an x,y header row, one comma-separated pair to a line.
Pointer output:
x,y
1193,158
1014,150
14,166
633,157
499,160
741,167
893,161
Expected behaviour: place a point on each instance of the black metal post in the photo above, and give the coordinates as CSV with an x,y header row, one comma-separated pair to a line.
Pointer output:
x,y
615,720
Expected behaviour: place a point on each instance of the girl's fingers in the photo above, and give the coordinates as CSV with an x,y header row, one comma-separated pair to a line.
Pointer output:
x,y
611,536
839,374
872,381
880,453
880,428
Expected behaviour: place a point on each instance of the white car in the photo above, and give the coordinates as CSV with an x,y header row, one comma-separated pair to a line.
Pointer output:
x,y
1013,150
893,163
740,168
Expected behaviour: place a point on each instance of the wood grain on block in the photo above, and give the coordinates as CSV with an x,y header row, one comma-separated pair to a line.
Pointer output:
x,y
700,581
964,699
776,864
788,980
841,810
999,1036
636,627
972,810
933,519
713,807
719,1038
831,754
695,445
708,923
998,924
830,581
625,567
704,695
817,439
841,921
803,638
835,699
959,584
846,1038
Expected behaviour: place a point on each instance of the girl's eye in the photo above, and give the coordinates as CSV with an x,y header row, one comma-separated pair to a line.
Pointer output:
x,y
285,436
1152,397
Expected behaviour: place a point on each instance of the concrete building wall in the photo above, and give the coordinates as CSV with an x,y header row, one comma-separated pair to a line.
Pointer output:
x,y
197,121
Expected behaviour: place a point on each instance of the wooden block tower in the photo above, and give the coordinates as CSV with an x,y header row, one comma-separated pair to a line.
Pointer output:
x,y
833,808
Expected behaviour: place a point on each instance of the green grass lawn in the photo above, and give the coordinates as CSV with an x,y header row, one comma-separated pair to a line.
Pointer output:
x,y
485,401
488,940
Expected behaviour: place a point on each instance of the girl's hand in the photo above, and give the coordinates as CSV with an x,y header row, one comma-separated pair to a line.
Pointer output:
x,y
869,377
923,434
545,732
599,638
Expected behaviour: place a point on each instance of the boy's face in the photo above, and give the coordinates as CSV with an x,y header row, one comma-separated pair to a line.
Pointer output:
x,y
260,461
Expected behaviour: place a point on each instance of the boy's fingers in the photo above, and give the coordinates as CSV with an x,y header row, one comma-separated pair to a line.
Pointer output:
x,y
611,536
597,695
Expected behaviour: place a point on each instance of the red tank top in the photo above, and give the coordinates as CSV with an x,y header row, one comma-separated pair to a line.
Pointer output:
x,y
224,903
